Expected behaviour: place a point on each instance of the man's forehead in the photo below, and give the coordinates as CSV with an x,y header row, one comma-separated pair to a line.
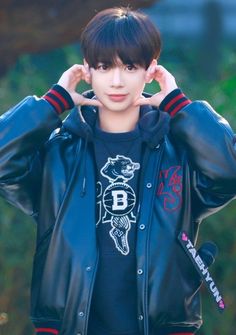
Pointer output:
x,y
115,62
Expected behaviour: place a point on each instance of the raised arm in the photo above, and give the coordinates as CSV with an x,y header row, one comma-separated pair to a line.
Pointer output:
x,y
24,129
206,136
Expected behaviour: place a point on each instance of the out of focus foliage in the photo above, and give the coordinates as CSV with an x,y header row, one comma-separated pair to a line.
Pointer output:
x,y
34,75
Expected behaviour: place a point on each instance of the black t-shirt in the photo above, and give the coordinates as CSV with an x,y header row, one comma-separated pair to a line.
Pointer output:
x,y
114,301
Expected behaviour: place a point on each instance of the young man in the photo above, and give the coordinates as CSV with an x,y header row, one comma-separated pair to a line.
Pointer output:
x,y
114,185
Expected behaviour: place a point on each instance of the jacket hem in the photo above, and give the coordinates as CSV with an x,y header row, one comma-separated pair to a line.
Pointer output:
x,y
47,327
175,330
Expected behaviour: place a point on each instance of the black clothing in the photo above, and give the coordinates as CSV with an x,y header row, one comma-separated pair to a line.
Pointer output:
x,y
114,302
187,174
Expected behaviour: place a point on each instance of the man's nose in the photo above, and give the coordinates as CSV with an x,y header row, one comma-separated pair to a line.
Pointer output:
x,y
116,79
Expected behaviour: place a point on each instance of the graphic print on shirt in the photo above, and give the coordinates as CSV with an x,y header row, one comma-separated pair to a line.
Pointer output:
x,y
118,199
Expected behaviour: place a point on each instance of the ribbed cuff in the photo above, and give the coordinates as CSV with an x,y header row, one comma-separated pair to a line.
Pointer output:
x,y
46,331
59,98
47,327
172,103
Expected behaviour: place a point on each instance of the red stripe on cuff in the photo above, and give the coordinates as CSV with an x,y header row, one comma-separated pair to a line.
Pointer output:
x,y
178,97
60,97
54,103
177,108
47,330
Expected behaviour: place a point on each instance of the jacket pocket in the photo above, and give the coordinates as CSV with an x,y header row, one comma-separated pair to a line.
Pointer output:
x,y
40,258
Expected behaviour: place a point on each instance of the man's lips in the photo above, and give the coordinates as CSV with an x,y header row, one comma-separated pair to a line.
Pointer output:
x,y
117,97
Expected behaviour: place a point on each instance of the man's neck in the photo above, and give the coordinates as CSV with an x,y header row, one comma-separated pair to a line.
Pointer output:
x,y
118,122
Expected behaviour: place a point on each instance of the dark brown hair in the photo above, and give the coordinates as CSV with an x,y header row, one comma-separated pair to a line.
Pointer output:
x,y
120,32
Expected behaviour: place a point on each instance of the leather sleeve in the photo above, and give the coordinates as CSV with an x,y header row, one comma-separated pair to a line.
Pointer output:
x,y
23,131
210,145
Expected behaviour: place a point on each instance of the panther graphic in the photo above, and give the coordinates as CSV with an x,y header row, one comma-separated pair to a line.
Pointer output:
x,y
119,168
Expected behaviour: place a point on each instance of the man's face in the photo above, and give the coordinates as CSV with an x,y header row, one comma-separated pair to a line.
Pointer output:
x,y
117,87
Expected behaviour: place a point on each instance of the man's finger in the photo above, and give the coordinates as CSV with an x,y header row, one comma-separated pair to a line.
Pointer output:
x,y
142,101
91,102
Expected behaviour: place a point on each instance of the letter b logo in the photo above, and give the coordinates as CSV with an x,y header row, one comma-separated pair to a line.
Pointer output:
x,y
119,200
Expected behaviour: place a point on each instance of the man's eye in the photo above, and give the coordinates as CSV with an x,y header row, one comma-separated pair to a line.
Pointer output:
x,y
131,67
102,67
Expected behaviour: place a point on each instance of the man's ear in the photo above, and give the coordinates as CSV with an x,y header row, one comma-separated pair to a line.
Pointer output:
x,y
149,73
88,73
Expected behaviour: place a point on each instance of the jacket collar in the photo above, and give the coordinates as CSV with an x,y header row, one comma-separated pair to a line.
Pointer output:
x,y
153,123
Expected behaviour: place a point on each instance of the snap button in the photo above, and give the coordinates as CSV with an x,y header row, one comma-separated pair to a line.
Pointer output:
x,y
142,226
149,185
140,271
140,317
81,314
88,268
158,146
79,334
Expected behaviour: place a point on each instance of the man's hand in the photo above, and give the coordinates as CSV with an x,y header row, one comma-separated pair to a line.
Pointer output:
x,y
166,81
69,81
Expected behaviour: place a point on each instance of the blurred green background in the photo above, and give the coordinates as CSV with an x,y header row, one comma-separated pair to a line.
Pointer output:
x,y
204,69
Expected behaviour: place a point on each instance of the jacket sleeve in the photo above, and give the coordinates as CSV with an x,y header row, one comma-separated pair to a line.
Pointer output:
x,y
211,150
23,131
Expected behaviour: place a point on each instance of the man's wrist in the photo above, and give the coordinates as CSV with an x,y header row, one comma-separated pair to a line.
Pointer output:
x,y
174,101
59,99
